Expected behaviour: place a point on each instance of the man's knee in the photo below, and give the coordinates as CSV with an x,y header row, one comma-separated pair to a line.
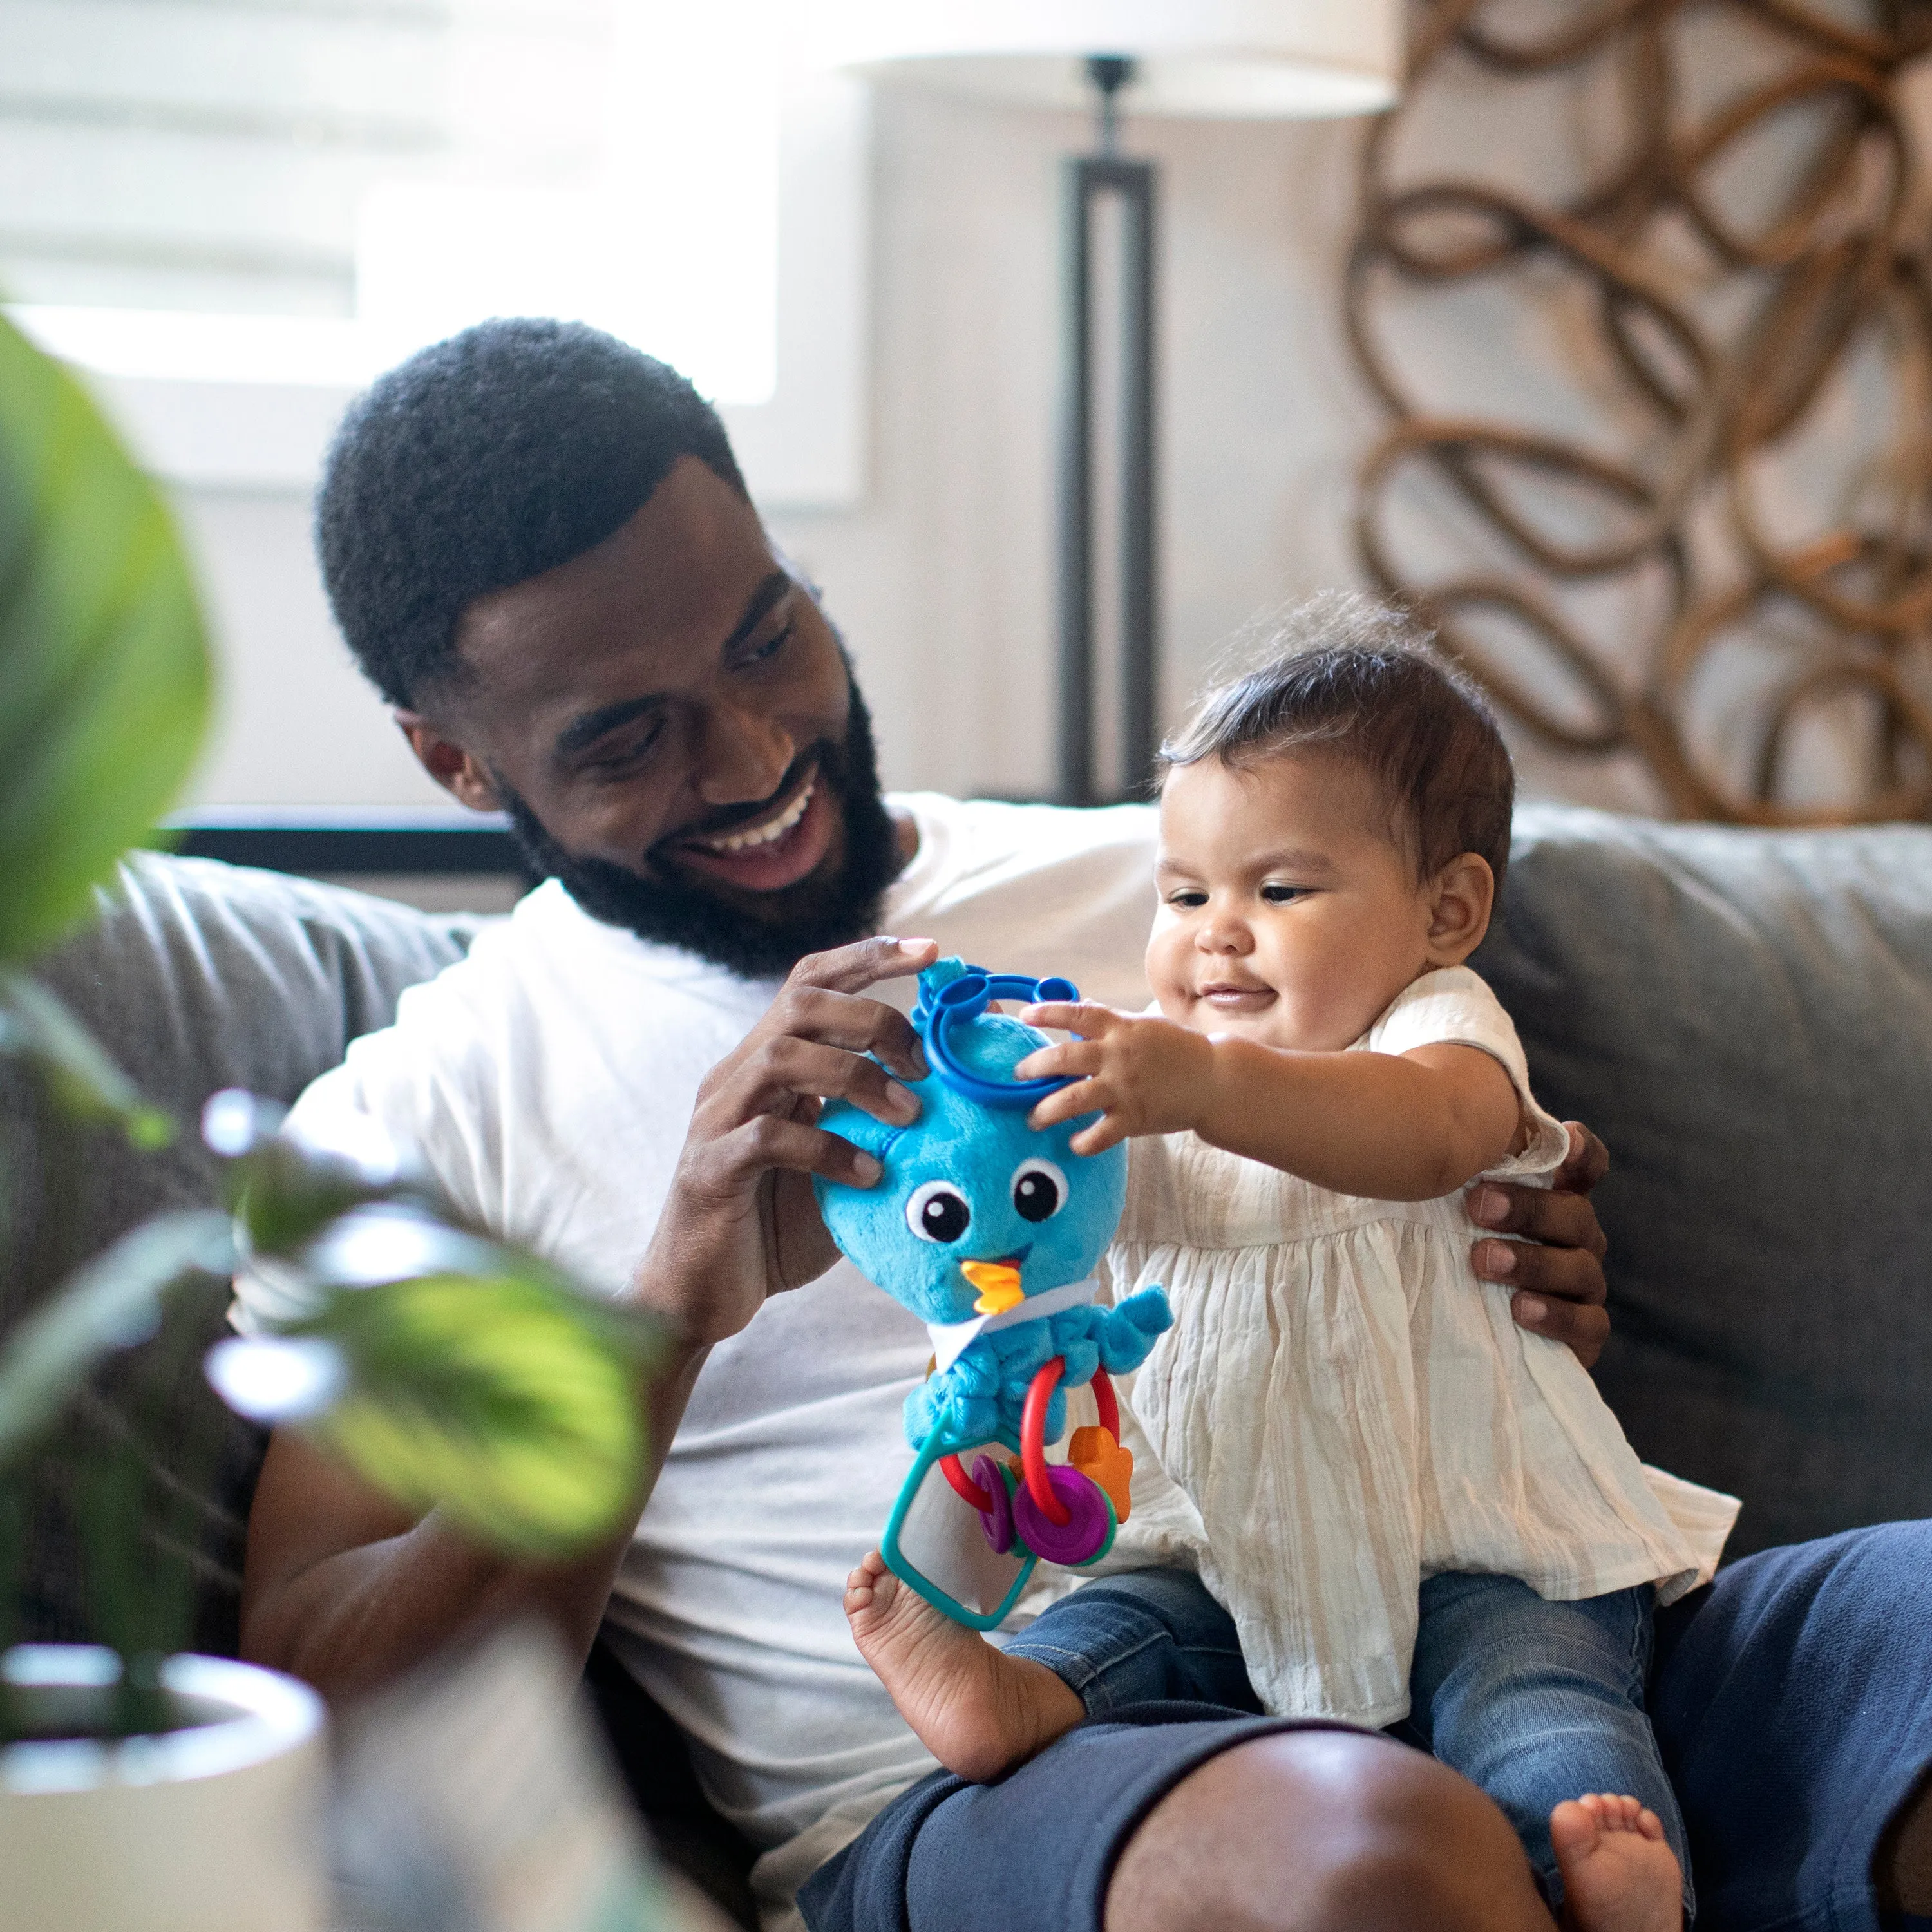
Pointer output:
x,y
1306,1831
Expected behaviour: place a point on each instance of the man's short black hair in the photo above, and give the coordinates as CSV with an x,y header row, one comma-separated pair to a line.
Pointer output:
x,y
483,461
1361,680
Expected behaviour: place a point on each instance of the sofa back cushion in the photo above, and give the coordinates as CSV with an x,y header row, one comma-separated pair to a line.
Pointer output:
x,y
196,976
1746,1019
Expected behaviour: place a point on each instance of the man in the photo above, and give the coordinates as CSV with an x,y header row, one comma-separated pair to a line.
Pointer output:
x,y
540,548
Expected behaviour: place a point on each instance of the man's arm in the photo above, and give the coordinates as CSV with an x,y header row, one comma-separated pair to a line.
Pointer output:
x,y
343,1589
1560,1288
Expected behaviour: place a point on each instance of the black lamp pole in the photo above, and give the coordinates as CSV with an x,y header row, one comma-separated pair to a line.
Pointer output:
x,y
1086,180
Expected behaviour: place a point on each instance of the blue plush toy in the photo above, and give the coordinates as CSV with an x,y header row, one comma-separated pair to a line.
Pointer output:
x,y
990,1231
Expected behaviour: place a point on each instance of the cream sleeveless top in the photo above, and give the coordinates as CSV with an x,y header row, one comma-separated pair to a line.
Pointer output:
x,y
1352,1411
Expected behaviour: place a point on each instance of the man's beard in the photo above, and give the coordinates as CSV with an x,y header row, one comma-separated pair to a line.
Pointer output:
x,y
821,910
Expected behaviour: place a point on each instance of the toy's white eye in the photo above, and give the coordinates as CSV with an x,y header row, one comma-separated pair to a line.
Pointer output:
x,y
937,1211
1039,1190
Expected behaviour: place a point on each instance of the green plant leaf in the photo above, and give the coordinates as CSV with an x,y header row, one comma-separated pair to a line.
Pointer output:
x,y
509,1400
114,1302
35,1027
104,674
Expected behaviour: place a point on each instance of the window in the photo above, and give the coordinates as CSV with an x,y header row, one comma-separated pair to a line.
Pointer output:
x,y
233,213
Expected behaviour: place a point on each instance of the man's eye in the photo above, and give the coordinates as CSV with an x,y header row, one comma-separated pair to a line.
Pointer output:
x,y
623,755
770,648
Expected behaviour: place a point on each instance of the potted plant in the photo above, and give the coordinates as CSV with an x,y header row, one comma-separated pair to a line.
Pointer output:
x,y
140,1787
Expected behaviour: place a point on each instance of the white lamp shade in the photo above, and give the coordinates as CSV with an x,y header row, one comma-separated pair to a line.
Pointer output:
x,y
1259,59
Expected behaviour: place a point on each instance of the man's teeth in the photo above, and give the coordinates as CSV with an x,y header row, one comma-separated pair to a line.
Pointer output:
x,y
764,835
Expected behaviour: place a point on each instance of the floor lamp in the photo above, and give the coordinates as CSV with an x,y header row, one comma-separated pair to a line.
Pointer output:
x,y
1256,59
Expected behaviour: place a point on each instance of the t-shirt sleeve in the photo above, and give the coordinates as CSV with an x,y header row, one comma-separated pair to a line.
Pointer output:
x,y
388,1081
1453,1006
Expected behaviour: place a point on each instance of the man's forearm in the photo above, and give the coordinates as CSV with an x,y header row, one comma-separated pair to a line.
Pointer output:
x,y
344,1593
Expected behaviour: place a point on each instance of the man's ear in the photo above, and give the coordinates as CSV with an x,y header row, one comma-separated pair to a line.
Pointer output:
x,y
1462,896
459,772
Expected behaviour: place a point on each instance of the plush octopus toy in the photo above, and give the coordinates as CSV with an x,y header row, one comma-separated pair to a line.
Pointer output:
x,y
990,1231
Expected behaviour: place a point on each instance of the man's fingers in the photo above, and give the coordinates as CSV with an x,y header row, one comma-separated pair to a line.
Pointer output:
x,y
819,999
851,969
1565,1274
1588,1162
1540,1214
1579,1326
847,1020
741,1158
784,1069
1081,1016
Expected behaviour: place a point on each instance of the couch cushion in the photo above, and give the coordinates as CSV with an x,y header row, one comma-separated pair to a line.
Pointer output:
x,y
196,976
1746,1019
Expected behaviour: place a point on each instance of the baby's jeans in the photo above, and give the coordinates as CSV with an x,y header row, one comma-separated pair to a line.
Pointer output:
x,y
1535,1702
1538,1702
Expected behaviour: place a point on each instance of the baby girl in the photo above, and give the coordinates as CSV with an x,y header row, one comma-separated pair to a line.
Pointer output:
x,y
1416,1514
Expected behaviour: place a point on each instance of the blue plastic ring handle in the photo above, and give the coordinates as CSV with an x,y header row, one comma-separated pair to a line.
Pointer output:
x,y
960,1002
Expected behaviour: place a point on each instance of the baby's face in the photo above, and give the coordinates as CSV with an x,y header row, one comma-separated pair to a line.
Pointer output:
x,y
1288,914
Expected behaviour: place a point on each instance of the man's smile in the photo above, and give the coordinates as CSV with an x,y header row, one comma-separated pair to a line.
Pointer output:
x,y
784,844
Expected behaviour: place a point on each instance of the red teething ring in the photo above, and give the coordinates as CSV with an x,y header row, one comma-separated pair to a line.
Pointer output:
x,y
1033,1441
1104,1400
964,1485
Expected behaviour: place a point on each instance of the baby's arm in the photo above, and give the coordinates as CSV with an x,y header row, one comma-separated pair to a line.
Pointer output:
x,y
1405,1127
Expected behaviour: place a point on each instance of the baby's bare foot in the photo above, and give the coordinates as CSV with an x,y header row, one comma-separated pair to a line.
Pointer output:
x,y
1619,1873
978,1711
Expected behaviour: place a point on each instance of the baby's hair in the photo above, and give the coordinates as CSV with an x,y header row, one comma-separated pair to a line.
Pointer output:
x,y
1361,680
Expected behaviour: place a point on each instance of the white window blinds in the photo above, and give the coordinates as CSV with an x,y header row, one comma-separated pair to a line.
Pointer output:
x,y
405,166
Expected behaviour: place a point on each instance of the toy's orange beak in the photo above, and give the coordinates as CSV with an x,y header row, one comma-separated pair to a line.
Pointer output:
x,y
998,1284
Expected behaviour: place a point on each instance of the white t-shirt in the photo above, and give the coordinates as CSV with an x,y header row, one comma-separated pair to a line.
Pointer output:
x,y
547,1081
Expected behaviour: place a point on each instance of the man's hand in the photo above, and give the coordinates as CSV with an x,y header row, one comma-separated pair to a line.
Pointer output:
x,y
740,1223
1560,1288
1141,1074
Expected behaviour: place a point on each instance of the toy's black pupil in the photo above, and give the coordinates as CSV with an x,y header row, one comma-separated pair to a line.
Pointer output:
x,y
944,1217
1036,1196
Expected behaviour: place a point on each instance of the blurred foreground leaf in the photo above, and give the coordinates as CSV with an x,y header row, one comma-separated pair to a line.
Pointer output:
x,y
512,1401
104,679
447,1370
35,1027
116,1301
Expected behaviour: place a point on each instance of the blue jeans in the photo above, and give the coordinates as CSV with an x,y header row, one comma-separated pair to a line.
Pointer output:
x,y
1538,1702
1534,1702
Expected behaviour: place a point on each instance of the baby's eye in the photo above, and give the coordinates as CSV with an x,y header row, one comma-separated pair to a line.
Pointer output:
x,y
1039,1190
937,1212
1278,895
1187,895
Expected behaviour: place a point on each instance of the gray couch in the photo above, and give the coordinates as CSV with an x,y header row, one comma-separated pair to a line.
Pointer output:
x,y
1745,1018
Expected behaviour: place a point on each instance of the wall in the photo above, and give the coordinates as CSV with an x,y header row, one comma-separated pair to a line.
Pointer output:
x,y
942,579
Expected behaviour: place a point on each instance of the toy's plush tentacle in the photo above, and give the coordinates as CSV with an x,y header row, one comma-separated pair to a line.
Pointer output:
x,y
1129,1331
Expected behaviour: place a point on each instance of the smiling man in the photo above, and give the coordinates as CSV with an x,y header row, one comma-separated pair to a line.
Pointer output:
x,y
540,548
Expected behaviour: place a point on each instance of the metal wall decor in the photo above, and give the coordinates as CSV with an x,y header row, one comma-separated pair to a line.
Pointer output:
x,y
1726,339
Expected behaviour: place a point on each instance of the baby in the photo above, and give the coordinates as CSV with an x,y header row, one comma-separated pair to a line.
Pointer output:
x,y
1414,1509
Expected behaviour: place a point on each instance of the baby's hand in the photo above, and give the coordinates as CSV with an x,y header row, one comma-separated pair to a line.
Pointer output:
x,y
1142,1074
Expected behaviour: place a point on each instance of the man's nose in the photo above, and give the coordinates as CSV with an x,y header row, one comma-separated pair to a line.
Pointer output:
x,y
746,756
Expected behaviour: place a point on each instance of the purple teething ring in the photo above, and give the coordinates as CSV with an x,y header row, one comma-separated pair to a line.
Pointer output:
x,y
1088,1531
996,1523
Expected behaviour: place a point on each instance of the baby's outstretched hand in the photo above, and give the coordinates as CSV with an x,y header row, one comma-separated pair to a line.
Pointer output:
x,y
1141,1074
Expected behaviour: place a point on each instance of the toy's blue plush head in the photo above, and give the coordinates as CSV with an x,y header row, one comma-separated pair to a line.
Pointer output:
x,y
975,1210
